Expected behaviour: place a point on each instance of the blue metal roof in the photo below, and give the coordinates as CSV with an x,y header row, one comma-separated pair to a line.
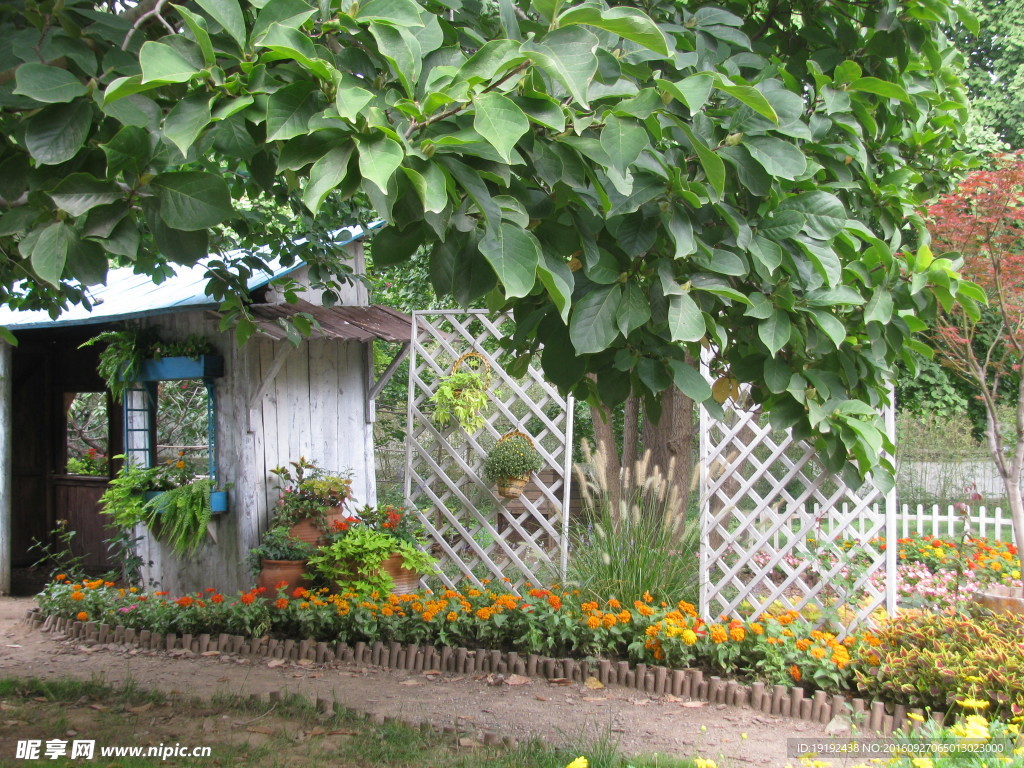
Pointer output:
x,y
127,296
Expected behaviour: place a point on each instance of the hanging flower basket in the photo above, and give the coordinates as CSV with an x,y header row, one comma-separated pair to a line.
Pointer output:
x,y
510,463
462,395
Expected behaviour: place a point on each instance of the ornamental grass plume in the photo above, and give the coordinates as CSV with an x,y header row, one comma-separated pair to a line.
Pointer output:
x,y
641,544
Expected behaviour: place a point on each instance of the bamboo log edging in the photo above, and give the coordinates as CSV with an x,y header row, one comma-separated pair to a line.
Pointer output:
x,y
689,684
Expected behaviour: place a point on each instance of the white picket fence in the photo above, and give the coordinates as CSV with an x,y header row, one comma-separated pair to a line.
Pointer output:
x,y
920,520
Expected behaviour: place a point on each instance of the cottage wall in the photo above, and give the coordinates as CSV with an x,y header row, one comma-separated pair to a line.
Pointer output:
x,y
314,406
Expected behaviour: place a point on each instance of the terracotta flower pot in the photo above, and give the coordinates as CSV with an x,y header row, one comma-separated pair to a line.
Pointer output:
x,y
406,581
1002,599
512,487
309,531
273,572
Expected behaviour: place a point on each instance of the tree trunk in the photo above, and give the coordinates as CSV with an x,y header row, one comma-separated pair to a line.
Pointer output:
x,y
670,442
606,450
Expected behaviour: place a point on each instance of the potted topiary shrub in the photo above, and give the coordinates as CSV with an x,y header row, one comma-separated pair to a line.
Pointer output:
x,y
378,549
280,559
510,463
462,395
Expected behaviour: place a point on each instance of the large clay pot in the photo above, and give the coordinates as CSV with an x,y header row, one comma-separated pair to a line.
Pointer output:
x,y
309,531
273,572
1002,599
406,581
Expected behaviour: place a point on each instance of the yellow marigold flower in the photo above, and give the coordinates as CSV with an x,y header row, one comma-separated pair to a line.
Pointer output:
x,y
688,636
915,717
973,704
701,762
579,762
818,652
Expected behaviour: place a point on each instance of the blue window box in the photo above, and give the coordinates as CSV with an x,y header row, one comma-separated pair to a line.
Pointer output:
x,y
218,500
177,368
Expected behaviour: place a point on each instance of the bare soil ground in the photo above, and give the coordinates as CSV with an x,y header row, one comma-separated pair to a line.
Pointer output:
x,y
641,724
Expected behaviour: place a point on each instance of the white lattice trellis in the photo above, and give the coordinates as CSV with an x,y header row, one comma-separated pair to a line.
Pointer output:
x,y
777,528
476,533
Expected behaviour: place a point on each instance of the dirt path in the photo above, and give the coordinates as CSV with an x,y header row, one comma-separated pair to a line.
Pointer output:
x,y
640,723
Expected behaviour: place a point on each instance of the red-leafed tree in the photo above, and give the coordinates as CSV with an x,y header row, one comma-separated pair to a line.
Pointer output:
x,y
983,220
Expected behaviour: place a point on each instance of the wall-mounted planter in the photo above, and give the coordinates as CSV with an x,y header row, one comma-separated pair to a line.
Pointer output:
x,y
177,368
218,500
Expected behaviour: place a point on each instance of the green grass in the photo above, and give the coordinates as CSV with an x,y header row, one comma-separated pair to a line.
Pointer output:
x,y
291,733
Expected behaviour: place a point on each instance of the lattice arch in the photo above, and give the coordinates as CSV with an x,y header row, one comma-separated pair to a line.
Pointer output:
x,y
476,533
778,529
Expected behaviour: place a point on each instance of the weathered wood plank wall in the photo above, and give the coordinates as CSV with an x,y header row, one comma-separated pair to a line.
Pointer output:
x,y
313,407
6,465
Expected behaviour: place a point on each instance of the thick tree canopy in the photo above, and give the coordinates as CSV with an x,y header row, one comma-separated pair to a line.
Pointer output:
x,y
635,184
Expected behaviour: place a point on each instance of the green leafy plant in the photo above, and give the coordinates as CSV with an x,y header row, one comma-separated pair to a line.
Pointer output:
x,y
56,555
512,456
462,397
354,559
120,362
307,491
178,516
278,544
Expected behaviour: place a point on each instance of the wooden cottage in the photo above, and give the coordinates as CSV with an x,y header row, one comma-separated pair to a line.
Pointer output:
x,y
268,403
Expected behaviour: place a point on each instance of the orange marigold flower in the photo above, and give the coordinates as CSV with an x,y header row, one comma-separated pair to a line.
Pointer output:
x,y
737,633
625,616
614,604
387,610
108,584
818,652
609,620
428,615
452,616
281,602
218,598
473,592
794,672
718,633
555,601
648,597
652,631
248,598
82,616
803,644
300,592
484,614
184,602
77,596
60,577
589,606
757,629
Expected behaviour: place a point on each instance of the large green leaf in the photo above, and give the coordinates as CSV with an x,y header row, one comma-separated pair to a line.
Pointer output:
x,y
748,95
500,122
713,165
569,56
162,64
775,331
50,252
689,380
830,324
593,326
192,200
325,175
379,159
187,120
623,139
685,321
514,253
692,91
57,132
404,13
558,281
634,310
128,151
227,13
431,186
824,213
285,42
629,23
778,157
883,88
289,110
50,85
81,192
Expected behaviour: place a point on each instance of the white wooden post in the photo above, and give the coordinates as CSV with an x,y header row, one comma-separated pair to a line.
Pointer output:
x,y
6,466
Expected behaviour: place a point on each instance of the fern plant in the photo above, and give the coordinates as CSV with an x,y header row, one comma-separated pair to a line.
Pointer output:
x,y
178,517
